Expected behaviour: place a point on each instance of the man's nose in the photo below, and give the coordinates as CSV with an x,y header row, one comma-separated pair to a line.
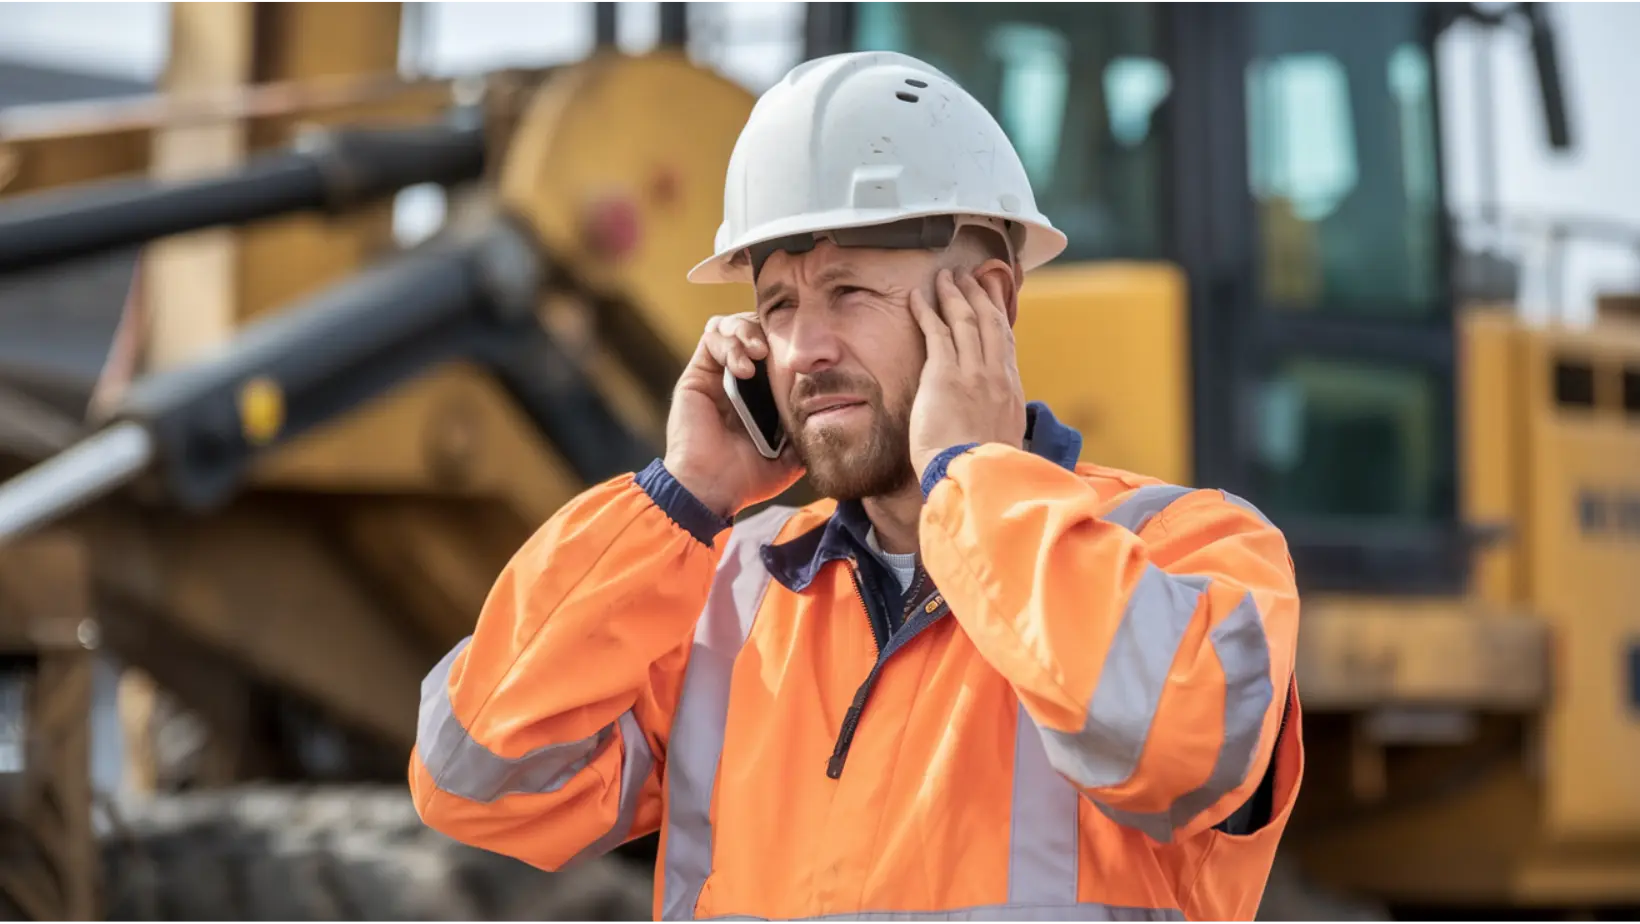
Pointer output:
x,y
812,342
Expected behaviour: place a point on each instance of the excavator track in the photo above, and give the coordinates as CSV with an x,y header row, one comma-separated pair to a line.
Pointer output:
x,y
334,853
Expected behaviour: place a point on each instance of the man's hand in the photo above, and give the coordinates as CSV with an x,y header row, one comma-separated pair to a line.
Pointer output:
x,y
707,447
970,390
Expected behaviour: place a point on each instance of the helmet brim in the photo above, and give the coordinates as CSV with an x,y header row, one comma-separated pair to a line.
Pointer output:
x,y
1042,243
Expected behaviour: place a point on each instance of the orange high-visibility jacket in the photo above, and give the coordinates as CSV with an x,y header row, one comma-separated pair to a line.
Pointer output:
x,y
1092,717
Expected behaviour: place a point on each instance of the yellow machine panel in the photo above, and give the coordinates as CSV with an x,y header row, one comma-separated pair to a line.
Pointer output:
x,y
625,185
1492,450
1583,570
1106,345
1549,814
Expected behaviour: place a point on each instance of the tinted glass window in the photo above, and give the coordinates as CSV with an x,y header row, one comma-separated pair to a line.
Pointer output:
x,y
1347,441
1342,159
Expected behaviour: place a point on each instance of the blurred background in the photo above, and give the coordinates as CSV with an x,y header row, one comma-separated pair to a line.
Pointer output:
x,y
310,313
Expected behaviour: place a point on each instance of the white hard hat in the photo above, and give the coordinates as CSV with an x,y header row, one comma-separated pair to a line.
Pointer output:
x,y
866,139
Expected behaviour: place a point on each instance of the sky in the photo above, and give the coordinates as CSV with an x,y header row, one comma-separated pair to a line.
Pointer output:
x,y
1598,179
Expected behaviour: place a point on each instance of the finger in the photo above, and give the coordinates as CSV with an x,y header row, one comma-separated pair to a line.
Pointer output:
x,y
705,358
993,289
959,315
746,329
730,353
935,334
993,326
710,346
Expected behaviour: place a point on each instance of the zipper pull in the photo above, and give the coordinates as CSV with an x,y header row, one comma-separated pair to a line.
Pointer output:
x,y
834,766
851,720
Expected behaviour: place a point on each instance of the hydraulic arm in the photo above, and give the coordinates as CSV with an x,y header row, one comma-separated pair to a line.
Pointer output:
x,y
190,434
197,429
335,171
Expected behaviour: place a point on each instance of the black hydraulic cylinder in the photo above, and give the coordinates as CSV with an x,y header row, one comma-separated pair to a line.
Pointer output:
x,y
604,24
331,354
674,25
1551,87
333,171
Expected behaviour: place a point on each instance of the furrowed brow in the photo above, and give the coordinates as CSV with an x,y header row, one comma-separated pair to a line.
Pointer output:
x,y
775,292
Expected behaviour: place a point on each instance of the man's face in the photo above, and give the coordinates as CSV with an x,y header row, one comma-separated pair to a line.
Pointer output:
x,y
845,355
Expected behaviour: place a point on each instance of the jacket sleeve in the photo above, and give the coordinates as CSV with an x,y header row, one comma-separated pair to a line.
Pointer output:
x,y
542,735
1149,636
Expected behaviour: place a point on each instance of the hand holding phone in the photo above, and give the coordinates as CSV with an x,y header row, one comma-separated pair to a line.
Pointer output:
x,y
724,440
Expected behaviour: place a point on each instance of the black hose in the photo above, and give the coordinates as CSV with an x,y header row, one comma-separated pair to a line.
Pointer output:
x,y
335,171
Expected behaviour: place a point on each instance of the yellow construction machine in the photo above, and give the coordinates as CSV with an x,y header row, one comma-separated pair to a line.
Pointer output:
x,y
283,485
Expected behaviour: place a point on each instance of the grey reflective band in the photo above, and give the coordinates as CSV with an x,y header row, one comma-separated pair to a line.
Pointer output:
x,y
1106,751
1043,835
461,766
1244,654
703,708
636,762
1144,504
1129,693
1085,911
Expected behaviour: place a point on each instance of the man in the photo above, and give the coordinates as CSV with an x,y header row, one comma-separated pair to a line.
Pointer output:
x,y
982,680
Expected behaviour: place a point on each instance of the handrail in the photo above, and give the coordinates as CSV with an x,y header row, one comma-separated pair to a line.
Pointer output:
x,y
49,121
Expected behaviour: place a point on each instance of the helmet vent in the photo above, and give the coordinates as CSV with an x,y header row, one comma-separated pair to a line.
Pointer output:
x,y
910,82
908,97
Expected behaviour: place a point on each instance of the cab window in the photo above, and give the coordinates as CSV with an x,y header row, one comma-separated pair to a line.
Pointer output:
x,y
1077,88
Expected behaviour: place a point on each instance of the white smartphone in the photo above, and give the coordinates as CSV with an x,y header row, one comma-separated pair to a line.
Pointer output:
x,y
753,399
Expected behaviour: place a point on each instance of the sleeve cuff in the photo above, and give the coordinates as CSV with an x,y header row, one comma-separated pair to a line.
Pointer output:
x,y
936,469
684,508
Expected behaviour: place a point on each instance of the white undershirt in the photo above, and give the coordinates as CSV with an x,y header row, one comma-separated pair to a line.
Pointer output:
x,y
904,566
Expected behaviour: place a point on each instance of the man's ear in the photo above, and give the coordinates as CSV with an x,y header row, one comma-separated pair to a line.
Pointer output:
x,y
997,278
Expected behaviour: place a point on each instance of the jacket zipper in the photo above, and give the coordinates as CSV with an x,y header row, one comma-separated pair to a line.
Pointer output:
x,y
909,626
881,631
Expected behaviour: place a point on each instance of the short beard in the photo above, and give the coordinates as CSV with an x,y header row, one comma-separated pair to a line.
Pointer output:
x,y
845,471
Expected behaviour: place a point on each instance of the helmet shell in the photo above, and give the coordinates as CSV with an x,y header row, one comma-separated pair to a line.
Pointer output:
x,y
865,138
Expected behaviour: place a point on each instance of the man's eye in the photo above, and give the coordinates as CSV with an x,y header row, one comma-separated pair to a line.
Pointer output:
x,y
777,306
843,291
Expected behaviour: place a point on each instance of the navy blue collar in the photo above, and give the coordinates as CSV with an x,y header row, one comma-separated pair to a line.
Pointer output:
x,y
795,562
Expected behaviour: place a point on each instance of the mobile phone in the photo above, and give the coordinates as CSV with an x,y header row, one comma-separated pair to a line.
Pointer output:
x,y
753,399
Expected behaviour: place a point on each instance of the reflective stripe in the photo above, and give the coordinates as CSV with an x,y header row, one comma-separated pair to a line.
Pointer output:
x,y
636,762
1143,504
1106,750
1244,653
461,766
703,708
1087,911
1042,836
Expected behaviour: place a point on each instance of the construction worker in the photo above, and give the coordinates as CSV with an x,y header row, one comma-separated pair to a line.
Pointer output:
x,y
979,680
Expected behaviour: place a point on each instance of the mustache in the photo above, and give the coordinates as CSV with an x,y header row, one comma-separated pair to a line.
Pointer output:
x,y
831,382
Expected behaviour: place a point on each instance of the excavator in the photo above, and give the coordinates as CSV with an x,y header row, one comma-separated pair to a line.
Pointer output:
x,y
282,486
